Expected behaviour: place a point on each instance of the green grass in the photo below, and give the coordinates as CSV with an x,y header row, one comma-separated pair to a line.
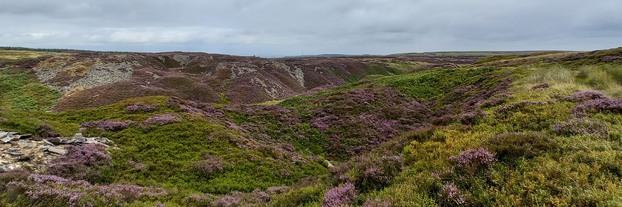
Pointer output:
x,y
19,91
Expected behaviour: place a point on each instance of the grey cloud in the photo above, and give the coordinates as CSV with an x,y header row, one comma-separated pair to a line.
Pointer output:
x,y
280,27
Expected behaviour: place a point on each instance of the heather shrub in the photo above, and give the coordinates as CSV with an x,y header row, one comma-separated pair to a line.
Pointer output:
x,y
473,160
495,100
471,118
520,144
451,195
278,189
210,165
598,105
140,108
581,126
81,162
582,96
378,203
523,106
370,172
226,201
106,125
6,177
162,119
325,122
51,190
339,196
46,131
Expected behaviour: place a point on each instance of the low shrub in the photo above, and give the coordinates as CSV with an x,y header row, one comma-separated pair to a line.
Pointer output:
x,y
451,195
140,107
226,201
581,126
81,162
378,203
106,125
369,172
339,196
300,197
473,160
51,190
210,165
586,96
162,119
471,118
523,144
598,105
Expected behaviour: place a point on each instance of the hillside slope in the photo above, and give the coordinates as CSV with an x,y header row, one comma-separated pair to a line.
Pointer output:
x,y
90,79
542,131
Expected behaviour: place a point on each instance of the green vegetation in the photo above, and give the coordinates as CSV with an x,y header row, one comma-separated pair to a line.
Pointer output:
x,y
470,136
18,91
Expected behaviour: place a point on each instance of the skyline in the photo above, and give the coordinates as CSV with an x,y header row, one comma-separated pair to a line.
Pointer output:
x,y
271,28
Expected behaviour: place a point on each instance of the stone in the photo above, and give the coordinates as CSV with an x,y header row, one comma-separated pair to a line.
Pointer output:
x,y
57,150
16,154
55,140
45,141
4,168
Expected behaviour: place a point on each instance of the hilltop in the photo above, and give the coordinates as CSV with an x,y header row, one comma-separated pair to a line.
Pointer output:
x,y
196,129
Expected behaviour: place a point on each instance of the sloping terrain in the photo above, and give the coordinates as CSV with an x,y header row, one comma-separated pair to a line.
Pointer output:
x,y
91,79
526,130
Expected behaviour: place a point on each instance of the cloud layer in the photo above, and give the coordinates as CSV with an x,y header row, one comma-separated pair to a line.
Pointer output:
x,y
280,27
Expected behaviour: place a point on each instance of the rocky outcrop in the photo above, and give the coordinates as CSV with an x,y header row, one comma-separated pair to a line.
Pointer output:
x,y
23,151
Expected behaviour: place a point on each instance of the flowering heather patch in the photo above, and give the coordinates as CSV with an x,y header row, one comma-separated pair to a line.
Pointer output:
x,y
210,165
580,126
388,128
107,125
473,159
339,196
54,189
162,119
81,162
227,201
598,105
378,203
325,122
140,107
471,118
585,96
278,189
137,165
372,172
193,107
450,195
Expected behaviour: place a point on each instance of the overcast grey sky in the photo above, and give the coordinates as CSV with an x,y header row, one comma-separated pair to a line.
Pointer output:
x,y
282,27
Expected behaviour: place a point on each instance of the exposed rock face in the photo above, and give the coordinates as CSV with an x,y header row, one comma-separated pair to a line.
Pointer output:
x,y
23,152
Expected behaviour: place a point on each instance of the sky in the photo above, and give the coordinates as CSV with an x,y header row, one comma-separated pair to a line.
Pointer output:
x,y
305,27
